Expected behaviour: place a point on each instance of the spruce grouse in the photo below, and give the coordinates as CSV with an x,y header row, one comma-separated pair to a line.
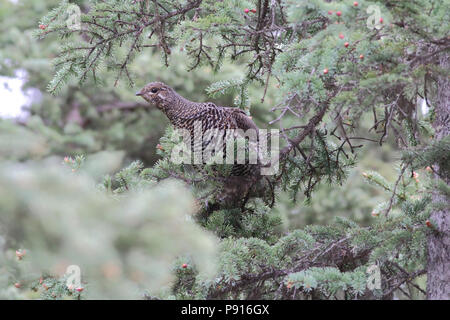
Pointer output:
x,y
183,114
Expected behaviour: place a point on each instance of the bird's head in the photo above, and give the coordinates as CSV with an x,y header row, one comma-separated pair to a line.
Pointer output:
x,y
156,93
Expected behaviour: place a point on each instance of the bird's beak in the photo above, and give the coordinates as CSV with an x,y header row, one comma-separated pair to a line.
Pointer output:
x,y
139,93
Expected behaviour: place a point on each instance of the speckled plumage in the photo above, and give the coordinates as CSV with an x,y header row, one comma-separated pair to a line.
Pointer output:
x,y
183,113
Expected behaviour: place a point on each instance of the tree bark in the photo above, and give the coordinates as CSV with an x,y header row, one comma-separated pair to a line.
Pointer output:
x,y
438,274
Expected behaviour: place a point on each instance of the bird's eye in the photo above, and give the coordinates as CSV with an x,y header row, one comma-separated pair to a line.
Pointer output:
x,y
154,90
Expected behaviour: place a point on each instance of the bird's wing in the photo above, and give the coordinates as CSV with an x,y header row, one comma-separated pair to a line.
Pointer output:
x,y
225,117
243,121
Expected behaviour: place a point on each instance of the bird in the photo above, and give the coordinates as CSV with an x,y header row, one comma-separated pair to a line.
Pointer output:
x,y
244,180
183,114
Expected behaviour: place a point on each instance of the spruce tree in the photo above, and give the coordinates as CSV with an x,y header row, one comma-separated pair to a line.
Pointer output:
x,y
333,66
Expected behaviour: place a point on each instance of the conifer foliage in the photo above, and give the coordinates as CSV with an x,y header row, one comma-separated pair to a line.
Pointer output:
x,y
334,65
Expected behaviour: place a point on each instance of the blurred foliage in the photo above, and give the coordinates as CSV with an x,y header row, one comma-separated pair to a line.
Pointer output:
x,y
98,116
123,245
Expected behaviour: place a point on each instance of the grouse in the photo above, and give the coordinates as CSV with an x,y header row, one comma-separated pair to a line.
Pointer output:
x,y
184,114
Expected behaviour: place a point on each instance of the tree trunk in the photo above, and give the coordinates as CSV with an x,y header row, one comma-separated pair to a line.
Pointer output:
x,y
438,273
